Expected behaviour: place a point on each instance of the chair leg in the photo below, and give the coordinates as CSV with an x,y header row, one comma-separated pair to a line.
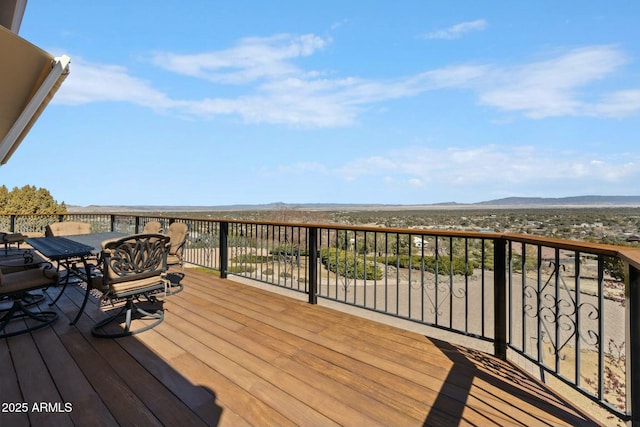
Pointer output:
x,y
19,311
64,286
174,288
64,283
28,299
130,309
55,300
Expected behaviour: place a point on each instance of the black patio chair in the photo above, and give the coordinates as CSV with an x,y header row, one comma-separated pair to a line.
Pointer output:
x,y
133,267
15,287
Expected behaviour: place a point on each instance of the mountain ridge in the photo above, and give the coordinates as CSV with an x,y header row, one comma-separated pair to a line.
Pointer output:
x,y
514,202
572,200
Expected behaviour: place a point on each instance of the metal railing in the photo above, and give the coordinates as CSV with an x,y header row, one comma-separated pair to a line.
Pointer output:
x,y
568,307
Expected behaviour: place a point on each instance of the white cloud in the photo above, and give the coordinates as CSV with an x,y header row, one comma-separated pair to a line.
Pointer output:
x,y
271,88
253,58
326,102
458,30
618,104
552,87
92,82
526,168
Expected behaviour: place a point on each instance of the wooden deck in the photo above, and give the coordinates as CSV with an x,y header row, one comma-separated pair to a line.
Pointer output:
x,y
231,354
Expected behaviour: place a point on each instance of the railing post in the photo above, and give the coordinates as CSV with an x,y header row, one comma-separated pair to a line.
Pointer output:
x,y
112,226
137,224
632,356
500,297
12,226
312,250
224,249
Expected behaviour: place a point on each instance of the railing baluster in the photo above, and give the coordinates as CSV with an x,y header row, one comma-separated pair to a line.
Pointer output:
x,y
500,298
224,249
538,302
451,285
312,265
632,350
578,323
436,298
422,276
556,298
466,285
482,285
601,327
409,278
522,296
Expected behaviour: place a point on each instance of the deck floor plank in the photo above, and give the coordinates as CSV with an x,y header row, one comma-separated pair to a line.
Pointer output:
x,y
10,393
453,395
227,394
156,391
251,373
260,359
35,382
234,373
69,379
229,354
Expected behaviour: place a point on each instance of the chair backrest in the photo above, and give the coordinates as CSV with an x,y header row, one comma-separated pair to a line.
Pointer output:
x,y
134,257
178,232
152,227
67,228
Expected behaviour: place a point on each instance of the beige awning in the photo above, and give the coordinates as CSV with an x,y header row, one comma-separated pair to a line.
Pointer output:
x,y
29,77
11,13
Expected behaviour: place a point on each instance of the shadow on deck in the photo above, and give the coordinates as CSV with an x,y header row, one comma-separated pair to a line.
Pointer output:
x,y
232,354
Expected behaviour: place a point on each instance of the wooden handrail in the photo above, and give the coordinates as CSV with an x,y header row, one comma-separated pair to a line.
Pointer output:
x,y
630,255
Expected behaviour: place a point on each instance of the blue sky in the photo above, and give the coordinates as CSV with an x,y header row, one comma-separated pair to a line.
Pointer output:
x,y
246,102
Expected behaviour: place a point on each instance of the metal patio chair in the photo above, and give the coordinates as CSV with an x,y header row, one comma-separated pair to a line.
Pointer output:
x,y
178,232
67,228
9,239
18,318
133,267
61,229
153,227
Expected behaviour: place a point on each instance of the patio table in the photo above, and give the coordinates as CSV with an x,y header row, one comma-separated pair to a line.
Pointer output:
x,y
69,250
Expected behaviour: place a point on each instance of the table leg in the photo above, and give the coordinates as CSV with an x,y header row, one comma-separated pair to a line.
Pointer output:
x,y
89,283
68,271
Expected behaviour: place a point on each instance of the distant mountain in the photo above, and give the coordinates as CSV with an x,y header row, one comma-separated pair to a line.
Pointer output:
x,y
577,201
565,201
243,207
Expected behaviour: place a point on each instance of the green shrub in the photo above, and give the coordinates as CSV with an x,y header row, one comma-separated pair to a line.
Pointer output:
x,y
531,263
428,263
348,265
615,267
288,249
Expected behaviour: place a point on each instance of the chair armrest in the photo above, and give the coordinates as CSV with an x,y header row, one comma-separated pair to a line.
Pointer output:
x,y
20,281
12,237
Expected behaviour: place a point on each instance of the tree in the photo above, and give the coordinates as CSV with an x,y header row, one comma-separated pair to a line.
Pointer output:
x,y
4,198
29,200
